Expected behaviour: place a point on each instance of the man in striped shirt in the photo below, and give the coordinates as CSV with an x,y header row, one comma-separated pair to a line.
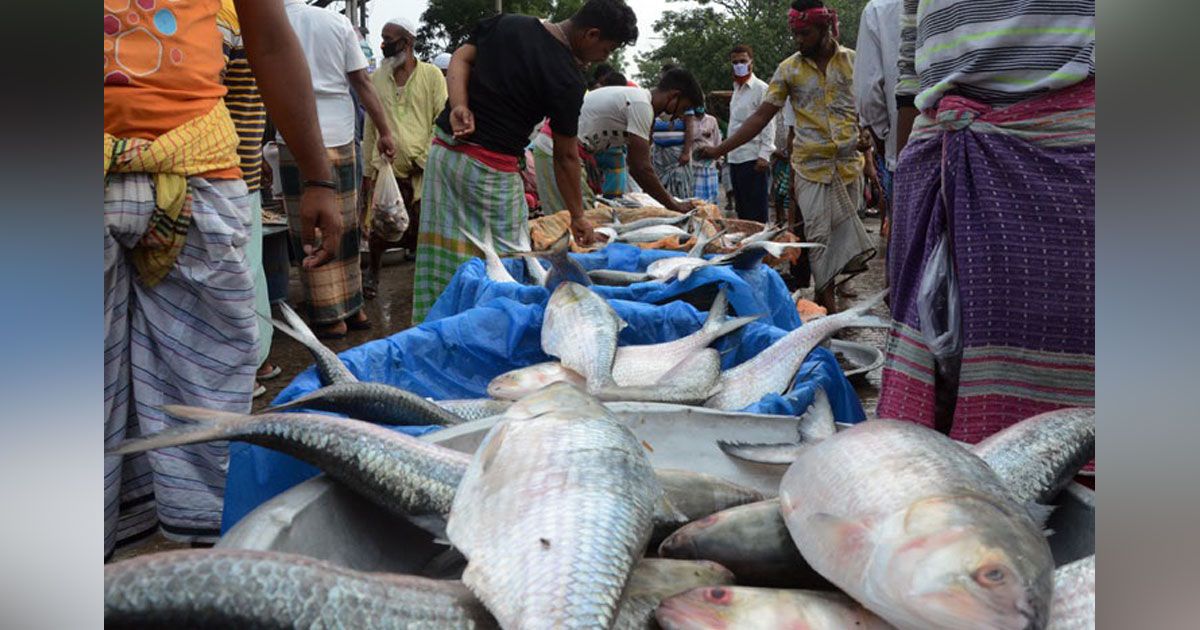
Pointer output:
x,y
250,120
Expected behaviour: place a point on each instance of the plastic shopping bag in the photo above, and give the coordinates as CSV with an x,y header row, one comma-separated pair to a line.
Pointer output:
x,y
938,304
389,217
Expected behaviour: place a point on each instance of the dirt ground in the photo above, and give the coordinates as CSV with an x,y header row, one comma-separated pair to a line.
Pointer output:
x,y
390,311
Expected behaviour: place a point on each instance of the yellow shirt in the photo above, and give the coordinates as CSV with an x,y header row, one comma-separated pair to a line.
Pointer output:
x,y
411,112
826,118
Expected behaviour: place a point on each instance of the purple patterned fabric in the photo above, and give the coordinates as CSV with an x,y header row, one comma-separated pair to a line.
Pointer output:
x,y
1022,215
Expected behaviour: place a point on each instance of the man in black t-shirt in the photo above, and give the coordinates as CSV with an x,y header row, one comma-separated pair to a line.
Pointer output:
x,y
513,72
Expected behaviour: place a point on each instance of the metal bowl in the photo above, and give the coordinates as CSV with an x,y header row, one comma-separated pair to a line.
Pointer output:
x,y
861,356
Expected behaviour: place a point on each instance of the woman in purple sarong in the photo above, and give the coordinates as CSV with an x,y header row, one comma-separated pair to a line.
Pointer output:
x,y
1000,166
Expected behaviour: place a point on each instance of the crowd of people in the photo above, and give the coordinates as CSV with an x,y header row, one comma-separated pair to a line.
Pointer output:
x,y
976,143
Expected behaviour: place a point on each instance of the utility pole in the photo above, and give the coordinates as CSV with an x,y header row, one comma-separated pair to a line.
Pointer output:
x,y
499,7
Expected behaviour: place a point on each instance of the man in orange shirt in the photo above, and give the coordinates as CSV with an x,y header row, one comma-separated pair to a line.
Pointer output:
x,y
179,320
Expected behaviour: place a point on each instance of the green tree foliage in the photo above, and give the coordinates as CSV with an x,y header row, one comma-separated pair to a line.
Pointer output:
x,y
447,23
699,39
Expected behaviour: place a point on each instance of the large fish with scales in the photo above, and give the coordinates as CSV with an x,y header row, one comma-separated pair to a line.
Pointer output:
x,y
632,365
581,329
232,588
773,369
553,512
918,530
1074,605
751,540
402,474
1037,457
373,402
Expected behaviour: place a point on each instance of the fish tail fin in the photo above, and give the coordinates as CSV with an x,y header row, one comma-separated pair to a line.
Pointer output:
x,y
295,327
718,324
289,331
857,316
731,325
871,302
290,405
558,249
717,312
780,454
205,425
507,243
817,423
481,245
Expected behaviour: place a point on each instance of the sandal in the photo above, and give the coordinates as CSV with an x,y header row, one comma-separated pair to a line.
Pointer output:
x,y
259,390
270,374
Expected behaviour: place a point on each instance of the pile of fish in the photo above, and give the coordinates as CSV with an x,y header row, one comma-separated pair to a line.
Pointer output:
x,y
551,520
884,524
581,330
744,252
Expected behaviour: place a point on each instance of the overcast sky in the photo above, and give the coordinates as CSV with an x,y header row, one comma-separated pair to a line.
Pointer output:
x,y
380,11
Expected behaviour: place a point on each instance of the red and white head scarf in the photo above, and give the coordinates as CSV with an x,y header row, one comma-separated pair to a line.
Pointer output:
x,y
819,16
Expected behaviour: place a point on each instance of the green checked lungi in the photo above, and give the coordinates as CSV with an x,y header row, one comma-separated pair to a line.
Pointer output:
x,y
462,193
547,184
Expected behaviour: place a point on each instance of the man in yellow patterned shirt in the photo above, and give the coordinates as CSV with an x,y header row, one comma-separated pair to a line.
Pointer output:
x,y
819,79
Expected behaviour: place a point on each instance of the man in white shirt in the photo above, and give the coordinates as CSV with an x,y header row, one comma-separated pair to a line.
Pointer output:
x,y
749,164
875,74
336,63
623,116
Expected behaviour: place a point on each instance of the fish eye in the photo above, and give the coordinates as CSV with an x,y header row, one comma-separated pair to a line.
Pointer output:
x,y
718,595
991,575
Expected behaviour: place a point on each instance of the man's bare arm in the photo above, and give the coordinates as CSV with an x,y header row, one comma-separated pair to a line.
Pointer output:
x,y
281,72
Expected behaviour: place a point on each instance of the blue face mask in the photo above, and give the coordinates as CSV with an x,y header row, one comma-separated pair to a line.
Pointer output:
x,y
741,69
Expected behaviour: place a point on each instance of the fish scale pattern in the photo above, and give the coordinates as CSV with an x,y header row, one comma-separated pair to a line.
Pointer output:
x,y
375,402
911,467
581,329
399,472
1074,603
258,589
1038,457
771,370
552,515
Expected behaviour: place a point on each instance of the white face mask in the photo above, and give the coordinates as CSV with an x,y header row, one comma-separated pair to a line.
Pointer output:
x,y
741,69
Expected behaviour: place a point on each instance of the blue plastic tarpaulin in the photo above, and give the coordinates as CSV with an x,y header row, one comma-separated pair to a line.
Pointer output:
x,y
752,291
457,356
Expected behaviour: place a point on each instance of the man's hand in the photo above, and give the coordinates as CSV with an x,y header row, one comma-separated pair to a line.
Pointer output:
x,y
319,211
761,165
708,153
387,146
685,157
581,229
462,121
